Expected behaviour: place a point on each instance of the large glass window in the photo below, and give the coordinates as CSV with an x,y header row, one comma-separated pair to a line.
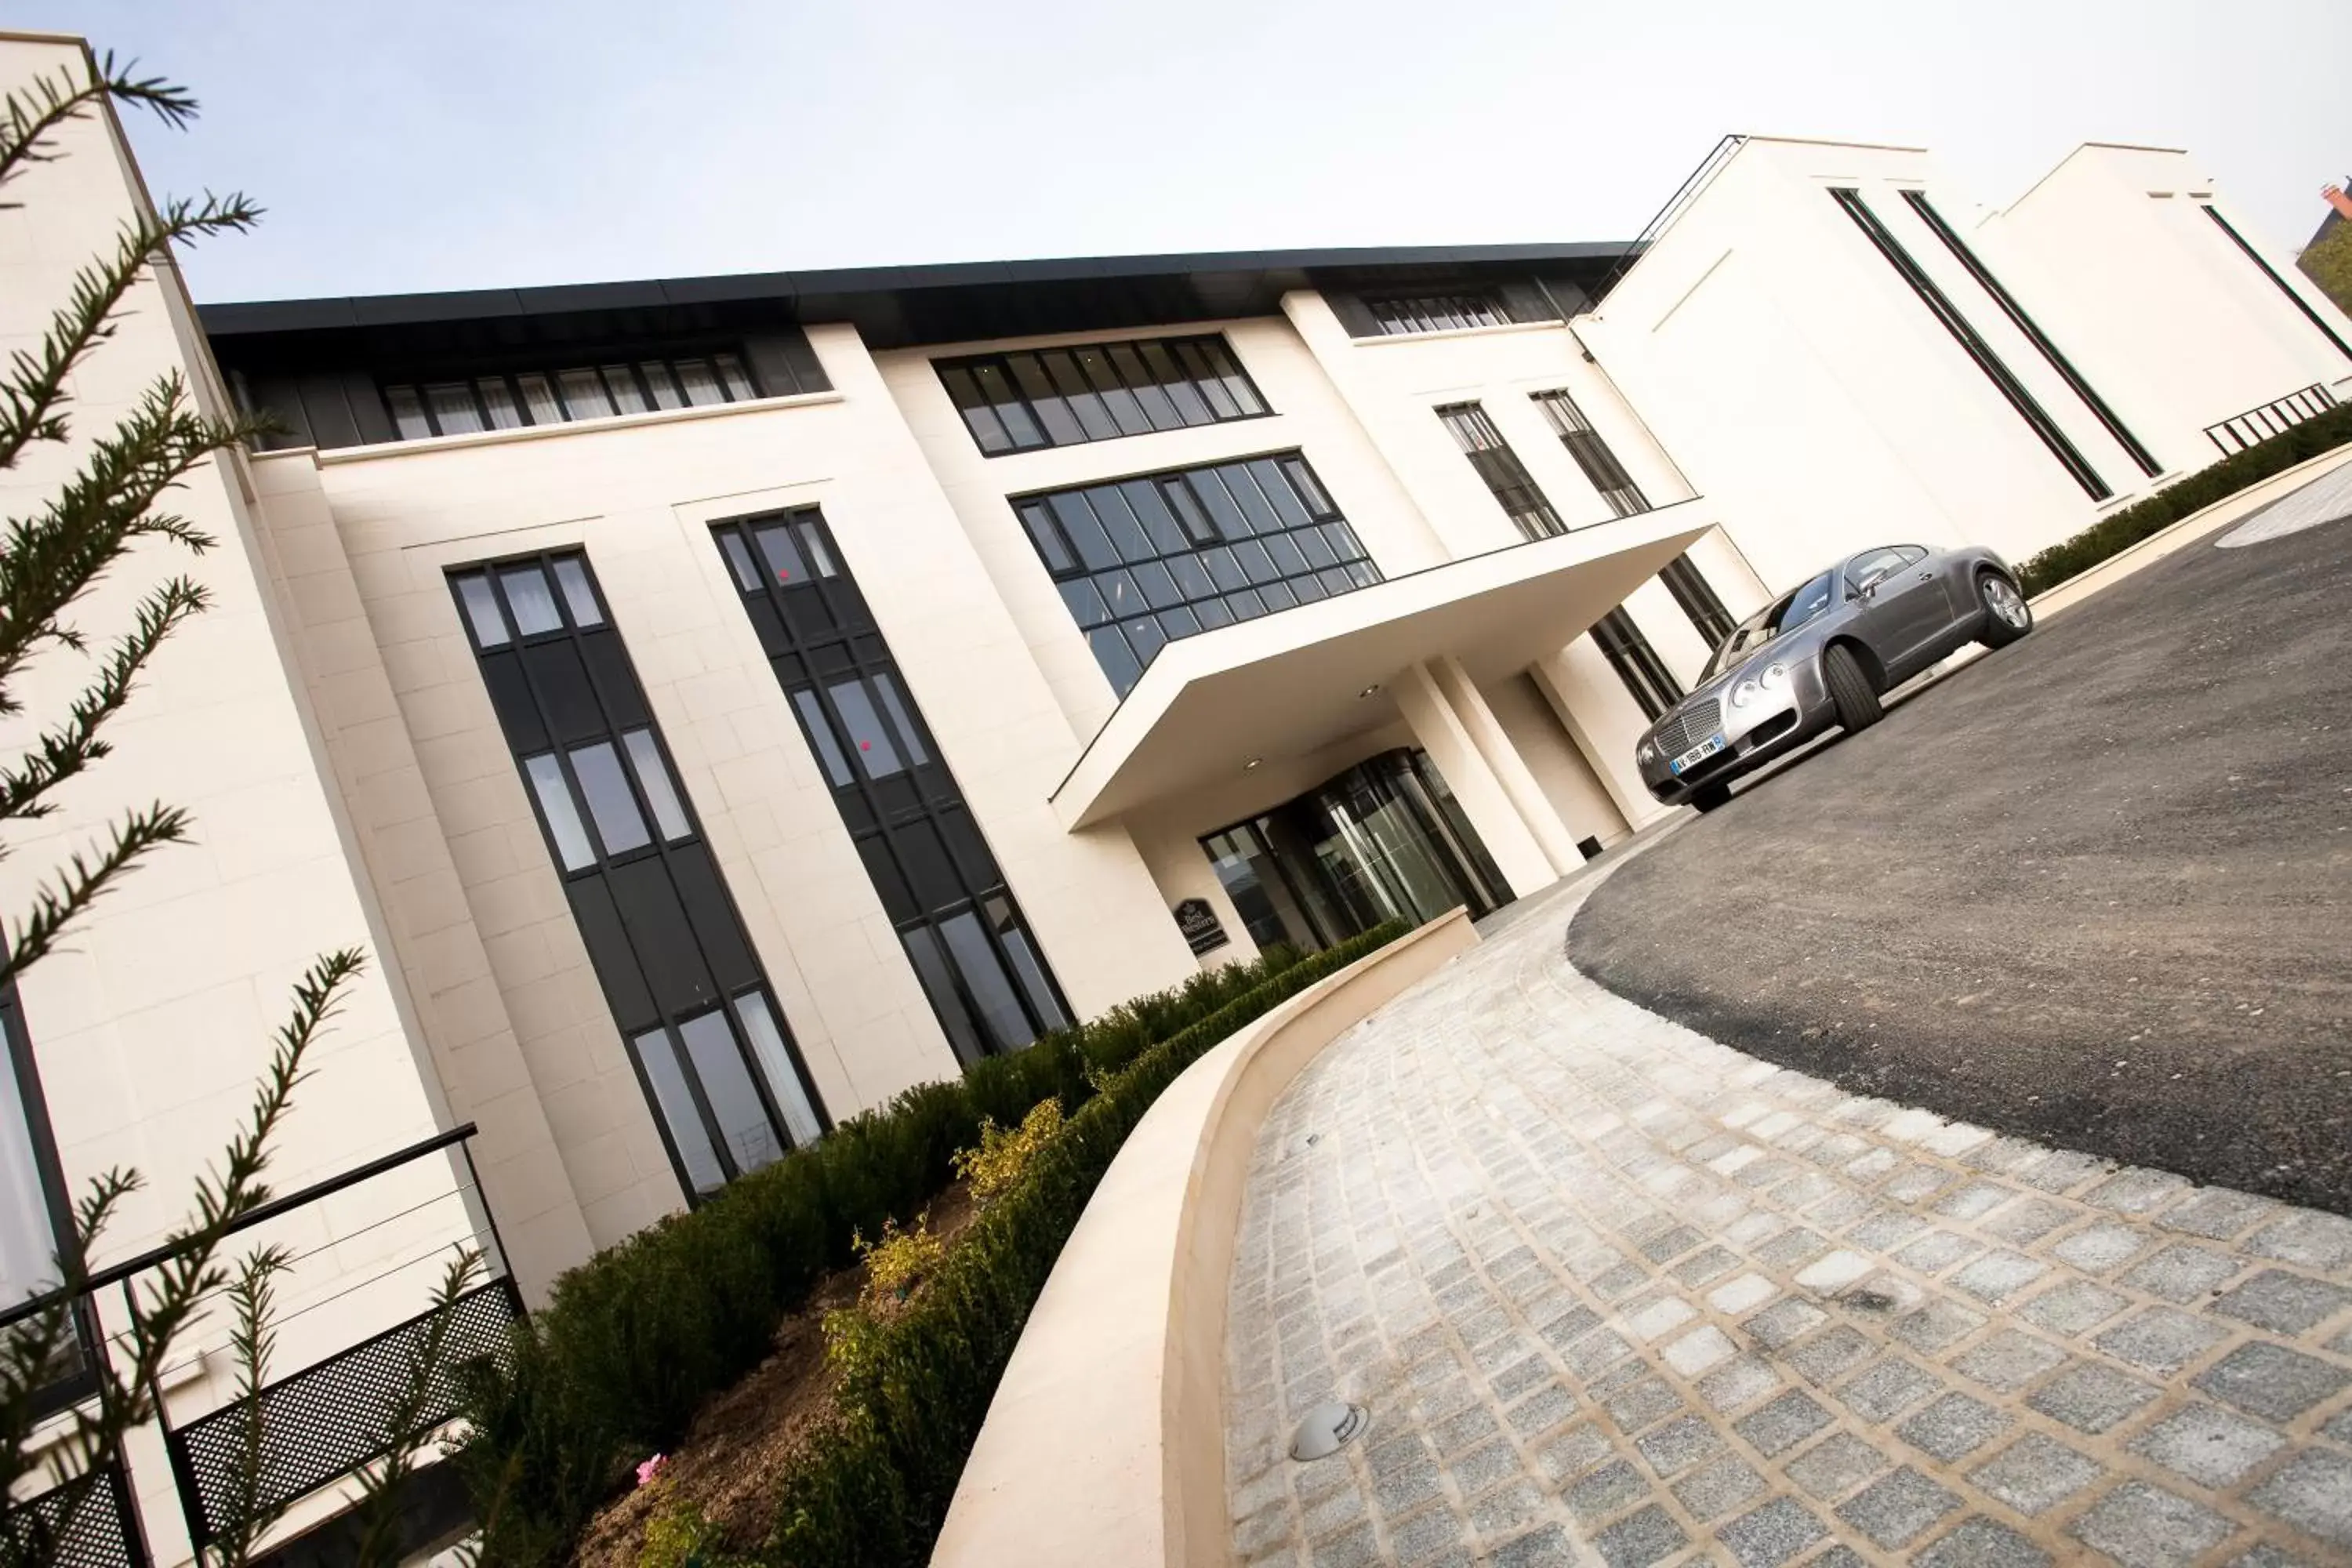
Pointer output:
x,y
728,1089
1398,315
1145,560
1513,488
1093,392
1637,664
558,396
963,935
1697,597
1591,454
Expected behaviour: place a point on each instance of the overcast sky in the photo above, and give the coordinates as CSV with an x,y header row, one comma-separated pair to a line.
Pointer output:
x,y
436,145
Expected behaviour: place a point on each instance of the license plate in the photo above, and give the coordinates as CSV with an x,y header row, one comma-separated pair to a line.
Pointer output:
x,y
1697,754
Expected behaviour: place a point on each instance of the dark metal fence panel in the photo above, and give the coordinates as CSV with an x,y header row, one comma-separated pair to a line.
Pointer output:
x,y
88,1522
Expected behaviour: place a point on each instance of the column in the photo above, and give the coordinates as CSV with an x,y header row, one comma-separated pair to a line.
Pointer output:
x,y
1576,694
1439,729
1511,769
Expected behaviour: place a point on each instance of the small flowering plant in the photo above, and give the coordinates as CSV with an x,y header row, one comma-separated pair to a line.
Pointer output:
x,y
650,1470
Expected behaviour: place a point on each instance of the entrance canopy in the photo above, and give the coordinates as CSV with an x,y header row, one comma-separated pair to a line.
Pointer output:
x,y
1291,683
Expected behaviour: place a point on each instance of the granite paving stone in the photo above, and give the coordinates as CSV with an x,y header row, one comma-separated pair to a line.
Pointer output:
x,y
1613,1292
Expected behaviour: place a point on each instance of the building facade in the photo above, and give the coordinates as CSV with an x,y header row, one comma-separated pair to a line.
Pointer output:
x,y
721,704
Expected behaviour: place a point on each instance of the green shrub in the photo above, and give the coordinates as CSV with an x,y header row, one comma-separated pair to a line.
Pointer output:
x,y
871,1488
641,1336
2120,530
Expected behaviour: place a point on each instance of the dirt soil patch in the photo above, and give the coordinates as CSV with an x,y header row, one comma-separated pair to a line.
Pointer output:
x,y
727,1465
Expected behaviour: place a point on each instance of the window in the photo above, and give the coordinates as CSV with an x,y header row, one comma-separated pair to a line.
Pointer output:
x,y
2026,324
1645,675
2281,284
1785,615
1972,344
727,1085
1143,561
1094,391
1697,597
962,933
1592,454
557,396
1499,467
1404,314
1872,563
34,1221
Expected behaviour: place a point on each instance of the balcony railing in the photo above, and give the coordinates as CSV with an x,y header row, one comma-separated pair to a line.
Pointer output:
x,y
2276,417
320,1424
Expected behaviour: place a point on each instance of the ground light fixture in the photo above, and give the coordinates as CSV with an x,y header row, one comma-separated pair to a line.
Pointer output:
x,y
1329,1428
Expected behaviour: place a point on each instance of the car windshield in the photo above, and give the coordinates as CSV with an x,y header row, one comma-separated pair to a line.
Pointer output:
x,y
1781,615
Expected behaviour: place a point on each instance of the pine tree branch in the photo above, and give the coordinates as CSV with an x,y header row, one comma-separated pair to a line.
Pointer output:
x,y
414,1414
64,897
248,1510
28,123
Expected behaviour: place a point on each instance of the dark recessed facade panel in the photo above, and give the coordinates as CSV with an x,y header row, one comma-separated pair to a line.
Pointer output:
x,y
1065,396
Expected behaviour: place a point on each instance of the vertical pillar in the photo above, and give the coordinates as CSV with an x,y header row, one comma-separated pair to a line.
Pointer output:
x,y
1511,769
1440,731
1574,695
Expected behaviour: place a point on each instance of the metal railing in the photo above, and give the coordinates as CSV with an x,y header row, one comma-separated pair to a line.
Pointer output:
x,y
1684,194
2275,417
320,1424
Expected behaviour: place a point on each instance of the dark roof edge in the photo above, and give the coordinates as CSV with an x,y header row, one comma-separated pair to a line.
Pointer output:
x,y
229,318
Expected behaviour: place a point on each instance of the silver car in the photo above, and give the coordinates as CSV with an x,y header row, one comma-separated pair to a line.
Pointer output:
x,y
1823,656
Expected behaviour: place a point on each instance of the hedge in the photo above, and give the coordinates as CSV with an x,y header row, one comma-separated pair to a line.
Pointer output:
x,y
872,1488
637,1339
2121,530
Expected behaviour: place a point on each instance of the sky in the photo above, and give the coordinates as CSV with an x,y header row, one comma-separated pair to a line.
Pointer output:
x,y
429,146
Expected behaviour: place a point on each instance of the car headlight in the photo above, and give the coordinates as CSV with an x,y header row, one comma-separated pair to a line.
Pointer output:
x,y
1646,753
1744,693
1774,679
1752,688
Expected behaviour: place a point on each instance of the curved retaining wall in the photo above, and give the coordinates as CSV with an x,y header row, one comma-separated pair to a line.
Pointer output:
x,y
1106,1441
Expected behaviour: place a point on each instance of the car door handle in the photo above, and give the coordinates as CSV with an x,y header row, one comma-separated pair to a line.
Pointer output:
x,y
1927,577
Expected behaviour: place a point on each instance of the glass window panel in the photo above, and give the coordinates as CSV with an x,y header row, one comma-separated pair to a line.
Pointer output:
x,y
1150,396
678,1113
452,402
996,386
1120,592
1046,537
1307,589
1178,622
1245,604
29,1244
1187,507
1144,636
1062,426
1025,965
701,383
865,729
1256,565
1151,508
482,609
626,395
738,557
1159,586
743,1119
1093,417
1206,484
819,734
1085,601
540,398
579,595
1278,492
1192,578
532,600
1211,386
562,815
813,542
977,416
1310,490
1104,377
984,979
1278,596
732,378
1213,614
1314,546
907,736
653,777
1342,540
1118,660
783,555
499,400
1174,381
610,804
1286,557
1080,527
1242,484
791,1095
408,413
1119,519
1360,573
656,377
584,394
1223,567
1237,385
939,984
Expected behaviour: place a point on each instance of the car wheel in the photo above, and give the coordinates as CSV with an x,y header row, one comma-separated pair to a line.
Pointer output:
x,y
1706,797
2007,614
1850,689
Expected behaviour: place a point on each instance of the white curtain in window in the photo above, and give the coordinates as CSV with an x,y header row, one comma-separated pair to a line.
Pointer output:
x,y
28,1243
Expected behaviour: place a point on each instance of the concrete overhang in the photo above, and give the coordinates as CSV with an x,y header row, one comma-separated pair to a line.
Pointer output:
x,y
1294,682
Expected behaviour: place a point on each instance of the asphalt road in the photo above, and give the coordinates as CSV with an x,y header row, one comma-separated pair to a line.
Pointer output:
x,y
2095,888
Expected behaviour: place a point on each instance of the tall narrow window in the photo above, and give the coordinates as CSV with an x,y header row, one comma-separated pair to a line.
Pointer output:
x,y
1645,675
1696,596
1513,488
1093,392
962,932
35,1220
1591,454
727,1087
2281,284
1972,344
2026,324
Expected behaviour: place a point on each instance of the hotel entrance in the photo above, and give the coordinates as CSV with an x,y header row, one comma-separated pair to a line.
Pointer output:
x,y
1384,840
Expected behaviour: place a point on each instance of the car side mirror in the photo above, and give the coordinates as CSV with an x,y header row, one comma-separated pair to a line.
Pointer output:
x,y
1869,586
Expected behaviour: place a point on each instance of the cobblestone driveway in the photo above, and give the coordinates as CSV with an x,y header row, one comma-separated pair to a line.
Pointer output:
x,y
1615,1293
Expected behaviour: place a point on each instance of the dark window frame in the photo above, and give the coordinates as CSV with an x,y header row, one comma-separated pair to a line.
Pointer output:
x,y
40,1136
1498,468
1707,613
814,665
1452,311
1972,344
2281,284
1208,550
600,362
1645,675
668,851
1591,452
1049,401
